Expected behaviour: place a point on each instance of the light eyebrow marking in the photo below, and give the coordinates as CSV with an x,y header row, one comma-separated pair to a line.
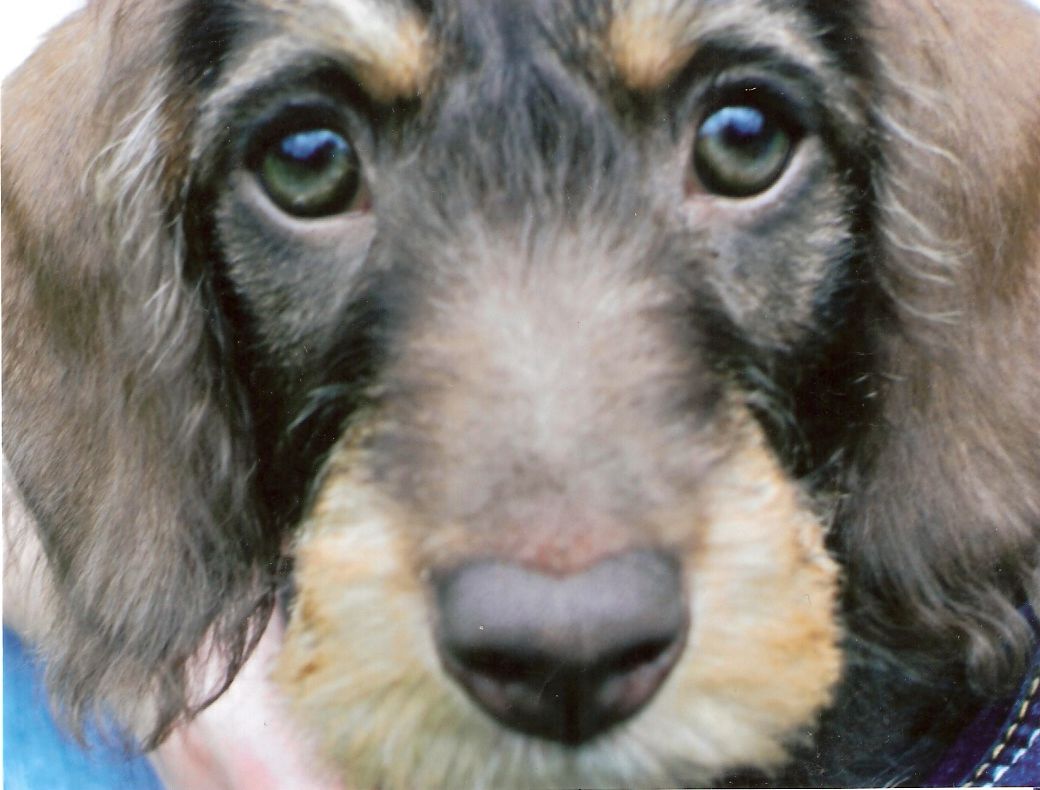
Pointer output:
x,y
391,45
645,43
387,42
649,41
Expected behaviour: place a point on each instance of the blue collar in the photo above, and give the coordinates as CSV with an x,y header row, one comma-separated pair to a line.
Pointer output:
x,y
1001,746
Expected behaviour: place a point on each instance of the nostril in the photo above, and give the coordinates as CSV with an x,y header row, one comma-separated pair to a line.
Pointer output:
x,y
562,657
503,666
641,655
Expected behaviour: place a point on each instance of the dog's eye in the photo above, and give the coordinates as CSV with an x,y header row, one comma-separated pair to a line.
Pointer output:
x,y
311,173
740,151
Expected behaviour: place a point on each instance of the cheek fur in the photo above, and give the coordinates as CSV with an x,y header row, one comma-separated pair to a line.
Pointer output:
x,y
774,261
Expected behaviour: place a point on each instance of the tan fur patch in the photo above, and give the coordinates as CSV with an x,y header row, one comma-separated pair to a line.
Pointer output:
x,y
387,43
400,68
649,41
647,48
360,664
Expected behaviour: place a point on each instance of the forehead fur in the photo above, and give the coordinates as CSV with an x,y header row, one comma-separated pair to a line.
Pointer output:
x,y
386,42
390,44
648,41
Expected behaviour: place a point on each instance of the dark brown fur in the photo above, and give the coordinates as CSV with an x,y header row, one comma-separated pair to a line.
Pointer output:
x,y
153,394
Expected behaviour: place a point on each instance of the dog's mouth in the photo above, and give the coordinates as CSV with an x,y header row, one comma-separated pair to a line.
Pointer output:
x,y
285,592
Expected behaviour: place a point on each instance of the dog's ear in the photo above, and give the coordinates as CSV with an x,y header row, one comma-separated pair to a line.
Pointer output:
x,y
123,427
944,541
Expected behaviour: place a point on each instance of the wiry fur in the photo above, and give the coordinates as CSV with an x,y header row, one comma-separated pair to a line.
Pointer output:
x,y
123,431
760,663
166,413
959,265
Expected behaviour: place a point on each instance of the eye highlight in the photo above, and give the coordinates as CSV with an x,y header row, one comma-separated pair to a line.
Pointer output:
x,y
312,172
741,150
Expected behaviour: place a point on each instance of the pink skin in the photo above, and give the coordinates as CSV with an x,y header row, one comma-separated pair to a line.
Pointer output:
x,y
244,740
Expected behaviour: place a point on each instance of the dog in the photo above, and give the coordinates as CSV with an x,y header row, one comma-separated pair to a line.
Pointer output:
x,y
616,393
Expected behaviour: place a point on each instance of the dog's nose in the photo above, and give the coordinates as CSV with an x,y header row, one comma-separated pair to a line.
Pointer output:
x,y
563,657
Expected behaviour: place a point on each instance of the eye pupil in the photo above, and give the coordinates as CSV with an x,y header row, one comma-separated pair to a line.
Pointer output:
x,y
311,172
740,151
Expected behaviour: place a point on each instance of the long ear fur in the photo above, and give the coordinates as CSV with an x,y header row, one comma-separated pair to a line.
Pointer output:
x,y
944,541
123,426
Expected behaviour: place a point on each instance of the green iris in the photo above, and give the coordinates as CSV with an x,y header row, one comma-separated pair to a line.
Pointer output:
x,y
311,173
740,151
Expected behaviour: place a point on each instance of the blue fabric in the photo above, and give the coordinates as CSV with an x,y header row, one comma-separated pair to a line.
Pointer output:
x,y
39,756
1001,747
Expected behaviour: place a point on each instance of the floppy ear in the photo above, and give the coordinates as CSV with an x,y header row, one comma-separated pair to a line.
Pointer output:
x,y
123,425
944,541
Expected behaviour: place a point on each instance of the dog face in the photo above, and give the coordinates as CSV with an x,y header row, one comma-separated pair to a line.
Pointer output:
x,y
551,502
550,341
